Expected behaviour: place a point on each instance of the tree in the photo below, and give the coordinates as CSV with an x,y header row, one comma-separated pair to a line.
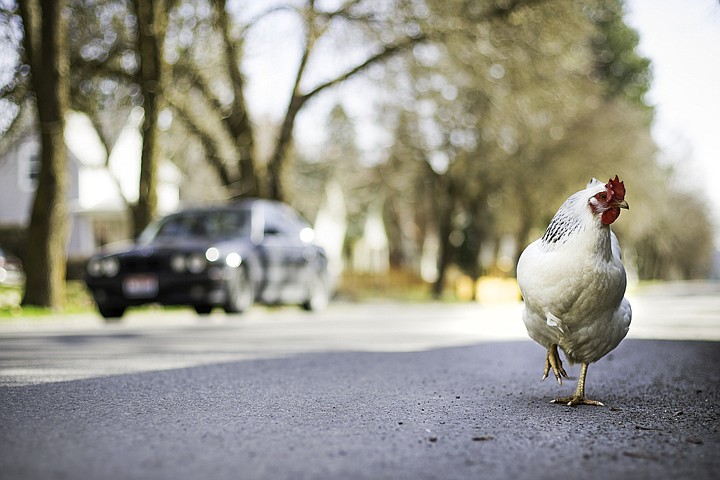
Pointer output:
x,y
316,23
14,80
488,94
45,45
392,30
198,94
152,19
517,112
617,65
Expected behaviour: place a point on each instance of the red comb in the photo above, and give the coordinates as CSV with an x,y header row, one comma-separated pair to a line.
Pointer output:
x,y
616,187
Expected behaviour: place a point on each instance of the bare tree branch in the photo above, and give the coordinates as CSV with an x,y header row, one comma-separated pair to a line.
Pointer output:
x,y
238,121
386,52
298,100
252,22
199,129
211,153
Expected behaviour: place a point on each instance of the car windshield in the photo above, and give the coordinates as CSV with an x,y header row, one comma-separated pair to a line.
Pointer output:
x,y
206,224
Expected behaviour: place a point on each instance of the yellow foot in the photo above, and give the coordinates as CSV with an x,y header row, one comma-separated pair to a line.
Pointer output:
x,y
577,400
552,360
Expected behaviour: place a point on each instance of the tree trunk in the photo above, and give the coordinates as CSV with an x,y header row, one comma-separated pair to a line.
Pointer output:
x,y
277,161
44,253
238,121
444,256
445,209
151,25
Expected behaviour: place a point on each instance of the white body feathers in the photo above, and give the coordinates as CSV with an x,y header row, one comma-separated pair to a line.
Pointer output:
x,y
573,283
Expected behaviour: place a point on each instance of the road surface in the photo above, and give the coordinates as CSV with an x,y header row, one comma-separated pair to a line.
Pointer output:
x,y
359,391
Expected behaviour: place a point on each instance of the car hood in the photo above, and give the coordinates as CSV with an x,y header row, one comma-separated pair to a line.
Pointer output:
x,y
169,245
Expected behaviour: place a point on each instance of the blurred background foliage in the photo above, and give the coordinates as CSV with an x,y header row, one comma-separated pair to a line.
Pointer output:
x,y
488,114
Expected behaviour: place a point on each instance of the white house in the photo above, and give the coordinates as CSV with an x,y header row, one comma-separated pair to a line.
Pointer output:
x,y
331,227
371,253
98,191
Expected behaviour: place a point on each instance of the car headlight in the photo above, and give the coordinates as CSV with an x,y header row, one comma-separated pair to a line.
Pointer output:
x,y
196,263
110,267
212,254
178,263
233,260
94,268
307,235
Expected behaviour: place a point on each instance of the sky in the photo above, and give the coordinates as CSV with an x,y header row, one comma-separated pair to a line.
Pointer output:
x,y
682,39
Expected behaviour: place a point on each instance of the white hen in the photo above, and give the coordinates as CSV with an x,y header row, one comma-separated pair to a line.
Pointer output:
x,y
573,283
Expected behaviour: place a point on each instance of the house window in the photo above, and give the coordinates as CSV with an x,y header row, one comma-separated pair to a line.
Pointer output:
x,y
28,167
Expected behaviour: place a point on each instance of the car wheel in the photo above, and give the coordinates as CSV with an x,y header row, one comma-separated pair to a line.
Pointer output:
x,y
240,294
203,309
318,295
111,313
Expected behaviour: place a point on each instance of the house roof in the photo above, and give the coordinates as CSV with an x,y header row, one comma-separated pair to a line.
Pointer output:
x,y
83,141
106,183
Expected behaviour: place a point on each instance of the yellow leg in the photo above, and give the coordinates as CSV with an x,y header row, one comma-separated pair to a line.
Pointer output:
x,y
579,397
552,360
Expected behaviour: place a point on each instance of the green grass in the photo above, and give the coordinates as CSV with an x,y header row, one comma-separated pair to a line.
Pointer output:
x,y
77,300
397,286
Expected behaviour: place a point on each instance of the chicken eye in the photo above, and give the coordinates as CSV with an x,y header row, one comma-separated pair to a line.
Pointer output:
x,y
603,196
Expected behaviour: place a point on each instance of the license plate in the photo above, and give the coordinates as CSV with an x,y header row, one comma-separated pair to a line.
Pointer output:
x,y
141,286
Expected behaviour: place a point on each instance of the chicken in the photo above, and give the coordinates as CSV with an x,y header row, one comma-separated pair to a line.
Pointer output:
x,y
573,283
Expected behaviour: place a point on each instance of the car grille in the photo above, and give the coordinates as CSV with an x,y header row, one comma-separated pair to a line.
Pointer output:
x,y
144,264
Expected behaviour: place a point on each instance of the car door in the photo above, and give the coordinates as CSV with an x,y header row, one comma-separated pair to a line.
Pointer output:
x,y
282,252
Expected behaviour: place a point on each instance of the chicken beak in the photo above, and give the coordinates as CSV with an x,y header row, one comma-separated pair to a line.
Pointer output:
x,y
624,205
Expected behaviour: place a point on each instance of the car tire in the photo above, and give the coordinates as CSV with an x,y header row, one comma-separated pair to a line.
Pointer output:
x,y
203,309
111,313
240,293
318,295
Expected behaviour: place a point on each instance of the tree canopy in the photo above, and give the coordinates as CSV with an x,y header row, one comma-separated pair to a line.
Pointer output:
x,y
491,113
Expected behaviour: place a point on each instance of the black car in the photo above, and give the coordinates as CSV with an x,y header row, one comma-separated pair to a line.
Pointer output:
x,y
229,256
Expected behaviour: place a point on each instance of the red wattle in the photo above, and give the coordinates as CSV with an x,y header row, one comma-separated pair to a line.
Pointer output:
x,y
610,215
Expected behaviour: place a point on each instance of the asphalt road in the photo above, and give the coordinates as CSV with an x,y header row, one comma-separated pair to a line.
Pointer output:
x,y
367,392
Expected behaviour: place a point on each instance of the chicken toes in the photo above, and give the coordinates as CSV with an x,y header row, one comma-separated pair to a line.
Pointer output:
x,y
552,360
576,400
579,397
